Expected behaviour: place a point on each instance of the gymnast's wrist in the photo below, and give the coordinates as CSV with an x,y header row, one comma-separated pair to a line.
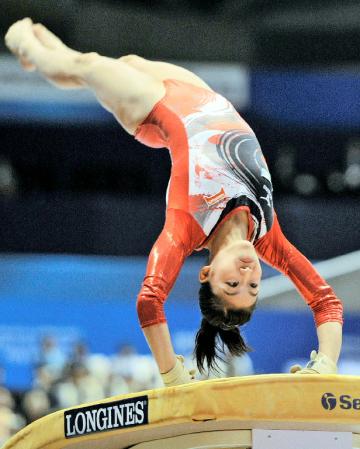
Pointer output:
x,y
178,375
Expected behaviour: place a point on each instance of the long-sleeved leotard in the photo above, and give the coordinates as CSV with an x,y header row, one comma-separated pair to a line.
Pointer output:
x,y
277,251
217,169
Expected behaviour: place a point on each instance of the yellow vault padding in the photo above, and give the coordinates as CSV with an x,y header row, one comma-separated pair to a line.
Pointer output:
x,y
279,401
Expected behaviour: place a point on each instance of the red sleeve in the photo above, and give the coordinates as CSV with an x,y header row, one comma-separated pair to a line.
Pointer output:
x,y
278,252
166,258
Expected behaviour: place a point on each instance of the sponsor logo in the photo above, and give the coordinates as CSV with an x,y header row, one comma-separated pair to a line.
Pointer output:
x,y
346,402
105,417
268,197
214,199
328,401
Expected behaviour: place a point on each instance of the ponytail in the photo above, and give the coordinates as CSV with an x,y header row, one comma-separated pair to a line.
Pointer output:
x,y
205,346
210,341
219,329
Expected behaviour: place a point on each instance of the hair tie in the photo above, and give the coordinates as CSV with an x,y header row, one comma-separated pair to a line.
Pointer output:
x,y
227,327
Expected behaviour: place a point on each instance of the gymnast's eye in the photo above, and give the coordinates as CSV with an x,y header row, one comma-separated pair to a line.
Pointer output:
x,y
253,285
232,284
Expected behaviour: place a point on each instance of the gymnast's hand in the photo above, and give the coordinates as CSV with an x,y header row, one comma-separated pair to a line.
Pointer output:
x,y
179,374
319,364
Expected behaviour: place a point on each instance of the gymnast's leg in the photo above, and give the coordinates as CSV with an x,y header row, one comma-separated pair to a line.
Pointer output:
x,y
164,70
125,91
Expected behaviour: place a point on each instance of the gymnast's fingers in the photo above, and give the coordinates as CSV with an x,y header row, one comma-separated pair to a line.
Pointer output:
x,y
295,368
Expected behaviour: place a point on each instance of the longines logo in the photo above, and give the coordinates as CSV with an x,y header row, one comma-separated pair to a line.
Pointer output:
x,y
105,417
346,402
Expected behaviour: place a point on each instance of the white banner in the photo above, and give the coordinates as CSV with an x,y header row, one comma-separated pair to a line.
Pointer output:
x,y
16,85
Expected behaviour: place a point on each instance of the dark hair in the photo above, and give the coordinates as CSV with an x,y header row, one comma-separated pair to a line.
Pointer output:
x,y
218,323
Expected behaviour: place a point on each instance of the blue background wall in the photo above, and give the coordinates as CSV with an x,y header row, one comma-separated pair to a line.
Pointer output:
x,y
93,299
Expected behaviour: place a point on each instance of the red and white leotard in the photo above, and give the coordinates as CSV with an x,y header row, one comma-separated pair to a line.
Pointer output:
x,y
217,169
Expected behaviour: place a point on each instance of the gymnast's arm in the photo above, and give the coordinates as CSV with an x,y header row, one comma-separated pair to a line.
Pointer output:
x,y
165,261
278,252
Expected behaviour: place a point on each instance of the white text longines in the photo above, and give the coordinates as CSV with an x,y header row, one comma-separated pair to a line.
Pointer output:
x,y
103,417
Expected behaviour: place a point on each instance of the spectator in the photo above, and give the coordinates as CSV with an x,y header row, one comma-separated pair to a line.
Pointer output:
x,y
52,357
43,378
231,366
6,424
35,404
98,365
78,386
79,353
10,421
138,371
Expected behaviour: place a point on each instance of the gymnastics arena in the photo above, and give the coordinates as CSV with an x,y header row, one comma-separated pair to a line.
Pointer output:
x,y
82,203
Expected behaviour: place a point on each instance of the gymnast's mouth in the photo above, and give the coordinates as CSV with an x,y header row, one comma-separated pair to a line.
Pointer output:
x,y
247,260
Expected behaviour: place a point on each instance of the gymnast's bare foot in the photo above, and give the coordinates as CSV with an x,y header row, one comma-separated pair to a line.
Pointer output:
x,y
49,39
37,48
15,38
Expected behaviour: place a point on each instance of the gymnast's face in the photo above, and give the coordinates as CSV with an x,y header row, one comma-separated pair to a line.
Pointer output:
x,y
234,275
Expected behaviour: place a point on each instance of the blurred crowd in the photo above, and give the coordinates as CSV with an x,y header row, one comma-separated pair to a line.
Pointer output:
x,y
62,380
289,165
340,176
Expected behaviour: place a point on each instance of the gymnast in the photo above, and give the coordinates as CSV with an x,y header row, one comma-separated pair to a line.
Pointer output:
x,y
219,197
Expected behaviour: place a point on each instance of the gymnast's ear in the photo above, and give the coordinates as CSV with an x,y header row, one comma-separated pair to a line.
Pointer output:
x,y
204,274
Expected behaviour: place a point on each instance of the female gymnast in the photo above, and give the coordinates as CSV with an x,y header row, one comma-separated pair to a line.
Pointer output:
x,y
219,197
